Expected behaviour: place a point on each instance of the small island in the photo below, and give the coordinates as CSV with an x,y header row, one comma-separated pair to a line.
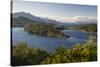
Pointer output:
x,y
44,30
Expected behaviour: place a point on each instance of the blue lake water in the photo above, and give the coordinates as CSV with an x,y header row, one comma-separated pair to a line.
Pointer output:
x,y
48,43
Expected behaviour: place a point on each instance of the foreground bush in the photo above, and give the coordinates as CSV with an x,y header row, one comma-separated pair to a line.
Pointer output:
x,y
22,55
79,53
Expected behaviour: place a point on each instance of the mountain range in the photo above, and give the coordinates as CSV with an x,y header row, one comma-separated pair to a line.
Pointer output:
x,y
22,18
19,19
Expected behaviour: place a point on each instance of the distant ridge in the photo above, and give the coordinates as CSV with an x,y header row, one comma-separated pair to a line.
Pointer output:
x,y
34,18
22,18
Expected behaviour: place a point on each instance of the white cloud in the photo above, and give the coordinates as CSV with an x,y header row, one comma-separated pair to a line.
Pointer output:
x,y
87,19
75,19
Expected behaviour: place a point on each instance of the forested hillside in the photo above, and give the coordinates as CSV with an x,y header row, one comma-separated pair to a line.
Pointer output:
x,y
44,30
89,27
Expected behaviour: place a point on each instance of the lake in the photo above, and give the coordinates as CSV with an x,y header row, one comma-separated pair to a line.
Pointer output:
x,y
48,43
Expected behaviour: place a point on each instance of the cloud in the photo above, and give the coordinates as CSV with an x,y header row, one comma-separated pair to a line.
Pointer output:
x,y
87,19
75,19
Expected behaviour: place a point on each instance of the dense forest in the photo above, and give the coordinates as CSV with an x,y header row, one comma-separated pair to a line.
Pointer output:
x,y
89,27
24,55
44,30
85,27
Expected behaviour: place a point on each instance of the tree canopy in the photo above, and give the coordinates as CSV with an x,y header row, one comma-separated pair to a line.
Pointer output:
x,y
44,30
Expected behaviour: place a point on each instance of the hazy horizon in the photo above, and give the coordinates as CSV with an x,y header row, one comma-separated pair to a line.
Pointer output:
x,y
59,12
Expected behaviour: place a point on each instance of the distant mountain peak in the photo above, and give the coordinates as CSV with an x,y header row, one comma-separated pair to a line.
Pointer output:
x,y
35,18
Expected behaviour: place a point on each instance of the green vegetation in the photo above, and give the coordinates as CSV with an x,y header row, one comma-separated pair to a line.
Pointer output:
x,y
89,27
23,55
44,30
86,27
79,53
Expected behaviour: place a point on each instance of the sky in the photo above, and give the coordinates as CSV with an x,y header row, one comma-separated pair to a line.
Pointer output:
x,y
60,12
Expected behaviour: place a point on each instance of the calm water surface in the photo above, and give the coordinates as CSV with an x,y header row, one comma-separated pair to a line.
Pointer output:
x,y
48,43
